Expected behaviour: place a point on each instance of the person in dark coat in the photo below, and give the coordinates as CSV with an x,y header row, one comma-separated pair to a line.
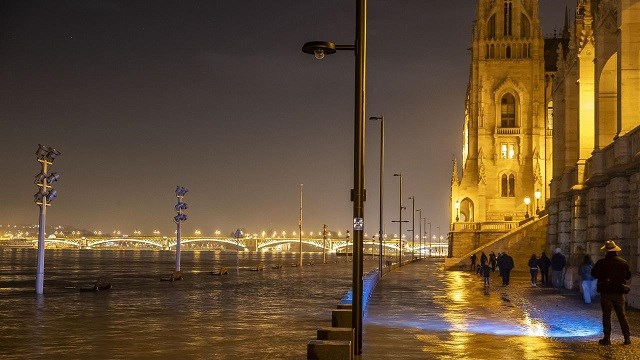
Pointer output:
x,y
612,273
492,261
505,267
533,269
558,262
483,259
544,263
473,261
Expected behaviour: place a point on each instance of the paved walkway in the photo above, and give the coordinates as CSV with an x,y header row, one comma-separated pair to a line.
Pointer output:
x,y
422,312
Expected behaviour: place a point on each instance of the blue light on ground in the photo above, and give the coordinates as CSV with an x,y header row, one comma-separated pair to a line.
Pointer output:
x,y
369,282
564,326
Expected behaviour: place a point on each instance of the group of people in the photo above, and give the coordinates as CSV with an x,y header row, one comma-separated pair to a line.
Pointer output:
x,y
556,263
608,277
503,262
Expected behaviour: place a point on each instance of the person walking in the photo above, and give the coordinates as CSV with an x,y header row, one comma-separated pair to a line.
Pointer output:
x,y
485,271
544,263
473,262
558,262
612,273
505,267
492,261
533,269
588,282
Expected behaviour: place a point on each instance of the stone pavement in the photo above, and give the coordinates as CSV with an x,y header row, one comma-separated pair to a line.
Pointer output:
x,y
423,312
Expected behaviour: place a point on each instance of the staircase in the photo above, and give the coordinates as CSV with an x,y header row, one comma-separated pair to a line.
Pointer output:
x,y
520,243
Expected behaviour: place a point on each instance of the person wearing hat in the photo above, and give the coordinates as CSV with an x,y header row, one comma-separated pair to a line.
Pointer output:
x,y
612,273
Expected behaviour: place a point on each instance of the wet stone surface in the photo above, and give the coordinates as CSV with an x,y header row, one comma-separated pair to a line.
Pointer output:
x,y
422,312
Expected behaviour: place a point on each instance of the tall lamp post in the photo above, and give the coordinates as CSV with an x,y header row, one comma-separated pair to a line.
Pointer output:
x,y
457,206
400,221
430,243
300,227
380,235
420,222
527,201
319,49
45,156
179,218
324,243
537,195
413,226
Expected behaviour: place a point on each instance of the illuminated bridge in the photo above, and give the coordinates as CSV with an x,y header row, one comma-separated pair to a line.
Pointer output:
x,y
249,243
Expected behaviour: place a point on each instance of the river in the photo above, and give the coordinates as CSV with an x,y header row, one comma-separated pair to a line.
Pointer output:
x,y
269,314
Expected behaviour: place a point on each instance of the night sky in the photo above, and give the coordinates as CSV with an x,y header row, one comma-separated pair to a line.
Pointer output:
x,y
217,96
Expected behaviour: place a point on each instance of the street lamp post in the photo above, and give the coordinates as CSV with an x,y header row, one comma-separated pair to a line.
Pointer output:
x,y
527,201
300,227
400,221
537,195
380,235
324,243
457,206
413,226
319,49
420,225
430,243
45,156
179,218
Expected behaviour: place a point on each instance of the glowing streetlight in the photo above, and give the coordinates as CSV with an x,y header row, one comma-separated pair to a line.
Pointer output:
x,y
537,195
457,206
527,201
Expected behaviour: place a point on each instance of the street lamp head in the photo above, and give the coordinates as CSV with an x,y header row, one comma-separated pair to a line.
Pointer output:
x,y
319,48
538,194
527,200
457,204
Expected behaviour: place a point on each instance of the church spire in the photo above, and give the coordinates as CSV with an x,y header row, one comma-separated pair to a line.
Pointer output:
x,y
565,30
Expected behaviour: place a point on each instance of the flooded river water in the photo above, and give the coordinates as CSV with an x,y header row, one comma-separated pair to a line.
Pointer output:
x,y
268,314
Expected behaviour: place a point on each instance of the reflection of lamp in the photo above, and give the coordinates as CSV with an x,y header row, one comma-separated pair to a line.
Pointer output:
x,y
537,194
527,201
457,206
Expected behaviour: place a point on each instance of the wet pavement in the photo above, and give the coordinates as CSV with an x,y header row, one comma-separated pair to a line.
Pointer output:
x,y
423,312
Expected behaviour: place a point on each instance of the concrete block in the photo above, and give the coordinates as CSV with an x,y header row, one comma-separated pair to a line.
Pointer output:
x,y
329,349
336,333
341,318
344,306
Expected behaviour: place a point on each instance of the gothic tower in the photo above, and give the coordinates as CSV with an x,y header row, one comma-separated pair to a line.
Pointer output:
x,y
506,137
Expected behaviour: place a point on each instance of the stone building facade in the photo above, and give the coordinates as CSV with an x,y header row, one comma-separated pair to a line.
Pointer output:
x,y
507,138
595,187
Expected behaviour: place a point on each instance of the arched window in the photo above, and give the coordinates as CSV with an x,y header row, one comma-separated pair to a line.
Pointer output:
x,y
491,28
508,111
508,185
508,11
508,52
525,27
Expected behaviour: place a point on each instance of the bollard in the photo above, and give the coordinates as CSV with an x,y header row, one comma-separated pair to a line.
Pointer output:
x,y
336,333
329,349
341,318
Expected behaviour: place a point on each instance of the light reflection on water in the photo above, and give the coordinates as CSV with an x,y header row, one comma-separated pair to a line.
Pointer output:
x,y
269,314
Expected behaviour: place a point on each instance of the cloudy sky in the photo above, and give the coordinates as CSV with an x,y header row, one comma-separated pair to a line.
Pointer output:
x,y
216,96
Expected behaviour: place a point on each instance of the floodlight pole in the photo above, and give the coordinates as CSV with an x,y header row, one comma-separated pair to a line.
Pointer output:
x,y
45,156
